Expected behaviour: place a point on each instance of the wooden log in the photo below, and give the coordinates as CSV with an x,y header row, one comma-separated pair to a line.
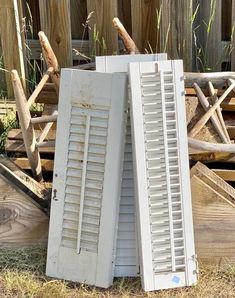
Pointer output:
x,y
12,57
198,126
45,119
39,87
127,40
214,118
213,218
218,111
26,126
56,23
218,79
22,222
50,59
214,147
101,21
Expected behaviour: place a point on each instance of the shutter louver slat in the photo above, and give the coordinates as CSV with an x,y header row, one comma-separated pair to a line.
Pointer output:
x,y
127,234
162,177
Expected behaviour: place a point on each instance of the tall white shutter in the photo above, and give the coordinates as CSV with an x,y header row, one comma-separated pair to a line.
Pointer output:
x,y
87,176
162,175
127,260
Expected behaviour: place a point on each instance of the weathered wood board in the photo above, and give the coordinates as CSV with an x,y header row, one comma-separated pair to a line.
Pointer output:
x,y
214,229
22,222
213,215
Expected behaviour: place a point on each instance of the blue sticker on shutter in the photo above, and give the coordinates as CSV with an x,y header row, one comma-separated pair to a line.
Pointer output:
x,y
175,279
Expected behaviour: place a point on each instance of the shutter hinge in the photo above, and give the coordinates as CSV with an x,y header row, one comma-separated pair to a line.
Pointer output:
x,y
54,195
196,271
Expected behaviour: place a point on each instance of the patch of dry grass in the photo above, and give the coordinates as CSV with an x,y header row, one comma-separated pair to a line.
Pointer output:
x,y
22,275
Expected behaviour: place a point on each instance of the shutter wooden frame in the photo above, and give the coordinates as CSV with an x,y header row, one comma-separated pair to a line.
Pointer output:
x,y
127,258
89,92
152,75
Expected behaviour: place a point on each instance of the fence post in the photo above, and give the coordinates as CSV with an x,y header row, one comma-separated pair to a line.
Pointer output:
x,y
104,12
56,23
208,34
233,37
144,24
176,30
11,38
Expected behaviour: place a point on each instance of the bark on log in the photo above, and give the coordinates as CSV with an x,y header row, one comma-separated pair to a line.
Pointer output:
x,y
50,59
218,79
214,119
26,127
198,126
127,40
206,146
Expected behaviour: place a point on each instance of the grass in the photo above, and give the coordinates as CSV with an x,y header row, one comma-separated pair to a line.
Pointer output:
x,y
22,275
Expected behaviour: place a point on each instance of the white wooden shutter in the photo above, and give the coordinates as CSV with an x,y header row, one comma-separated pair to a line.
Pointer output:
x,y
162,175
127,260
87,176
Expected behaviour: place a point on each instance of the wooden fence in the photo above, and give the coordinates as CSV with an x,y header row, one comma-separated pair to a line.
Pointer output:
x,y
201,32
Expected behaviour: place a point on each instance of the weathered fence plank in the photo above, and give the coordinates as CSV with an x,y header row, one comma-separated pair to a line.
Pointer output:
x,y
144,24
208,35
124,14
233,36
78,12
12,55
176,30
105,35
55,22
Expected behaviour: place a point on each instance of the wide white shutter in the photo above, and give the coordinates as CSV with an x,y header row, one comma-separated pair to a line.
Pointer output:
x,y
162,175
127,259
87,177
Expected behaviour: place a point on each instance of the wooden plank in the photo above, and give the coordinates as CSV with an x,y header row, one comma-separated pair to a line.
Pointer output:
x,y
23,163
228,104
214,181
18,146
104,12
124,14
144,27
78,12
233,37
22,223
10,50
30,186
82,46
176,30
31,11
209,34
55,22
16,134
213,218
227,175
231,132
